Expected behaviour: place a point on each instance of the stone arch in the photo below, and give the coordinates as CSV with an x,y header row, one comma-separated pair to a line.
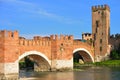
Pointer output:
x,y
34,55
86,51
31,53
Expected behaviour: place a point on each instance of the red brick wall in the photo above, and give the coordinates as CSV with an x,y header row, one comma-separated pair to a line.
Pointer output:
x,y
54,47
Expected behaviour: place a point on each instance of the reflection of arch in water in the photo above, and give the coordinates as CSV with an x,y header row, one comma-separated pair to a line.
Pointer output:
x,y
86,55
42,63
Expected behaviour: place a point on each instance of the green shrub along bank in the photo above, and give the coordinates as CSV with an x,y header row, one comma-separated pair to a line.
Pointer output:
x,y
115,54
108,63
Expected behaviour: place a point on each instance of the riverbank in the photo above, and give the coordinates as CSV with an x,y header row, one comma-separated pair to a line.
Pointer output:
x,y
111,63
108,63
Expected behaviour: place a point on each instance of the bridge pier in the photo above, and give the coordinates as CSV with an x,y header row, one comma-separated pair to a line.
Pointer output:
x,y
9,71
61,65
56,65
43,67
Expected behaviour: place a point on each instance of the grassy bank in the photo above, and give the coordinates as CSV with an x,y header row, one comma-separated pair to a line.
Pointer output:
x,y
108,63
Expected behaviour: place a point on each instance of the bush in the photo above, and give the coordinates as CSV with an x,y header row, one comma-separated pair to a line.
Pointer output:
x,y
22,64
115,55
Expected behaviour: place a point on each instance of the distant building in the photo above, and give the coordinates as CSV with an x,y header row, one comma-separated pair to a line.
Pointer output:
x,y
86,36
115,41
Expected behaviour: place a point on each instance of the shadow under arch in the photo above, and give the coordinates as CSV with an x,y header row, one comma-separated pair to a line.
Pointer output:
x,y
85,54
42,63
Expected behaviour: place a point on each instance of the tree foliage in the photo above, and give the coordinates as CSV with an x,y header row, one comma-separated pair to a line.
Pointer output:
x,y
28,62
115,36
115,54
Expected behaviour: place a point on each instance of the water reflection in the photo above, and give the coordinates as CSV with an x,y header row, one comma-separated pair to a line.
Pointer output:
x,y
91,73
47,75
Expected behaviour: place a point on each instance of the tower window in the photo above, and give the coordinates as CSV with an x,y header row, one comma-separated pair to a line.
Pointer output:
x,y
100,48
94,36
96,30
97,23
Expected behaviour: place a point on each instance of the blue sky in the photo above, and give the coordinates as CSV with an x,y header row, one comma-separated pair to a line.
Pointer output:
x,y
46,17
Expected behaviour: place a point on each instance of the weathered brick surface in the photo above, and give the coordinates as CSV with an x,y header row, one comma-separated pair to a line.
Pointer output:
x,y
54,47
101,30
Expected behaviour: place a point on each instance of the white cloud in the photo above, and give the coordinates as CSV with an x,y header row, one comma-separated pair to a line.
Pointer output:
x,y
18,2
35,9
6,23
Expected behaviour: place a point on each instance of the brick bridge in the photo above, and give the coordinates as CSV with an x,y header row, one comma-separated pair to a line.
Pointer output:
x,y
54,52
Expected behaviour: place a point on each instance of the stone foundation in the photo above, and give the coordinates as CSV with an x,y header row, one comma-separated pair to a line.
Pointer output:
x,y
9,71
56,65
42,67
102,58
9,77
8,68
62,65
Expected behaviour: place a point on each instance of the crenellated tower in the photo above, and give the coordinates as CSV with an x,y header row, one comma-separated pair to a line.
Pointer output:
x,y
8,52
100,30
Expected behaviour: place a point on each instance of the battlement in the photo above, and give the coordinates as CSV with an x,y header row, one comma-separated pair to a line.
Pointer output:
x,y
100,7
8,34
42,41
41,38
61,37
36,41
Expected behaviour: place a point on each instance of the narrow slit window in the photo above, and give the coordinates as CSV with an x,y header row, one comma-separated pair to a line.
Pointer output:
x,y
97,23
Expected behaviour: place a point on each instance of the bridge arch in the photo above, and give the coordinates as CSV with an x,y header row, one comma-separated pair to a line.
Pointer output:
x,y
86,55
43,63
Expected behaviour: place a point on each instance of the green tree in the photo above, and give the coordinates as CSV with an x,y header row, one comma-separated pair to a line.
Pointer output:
x,y
114,55
28,62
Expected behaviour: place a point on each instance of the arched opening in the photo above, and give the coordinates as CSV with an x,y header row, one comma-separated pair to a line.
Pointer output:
x,y
36,61
82,56
26,63
78,58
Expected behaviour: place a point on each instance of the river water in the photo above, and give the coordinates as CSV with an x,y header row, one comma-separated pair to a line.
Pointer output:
x,y
87,73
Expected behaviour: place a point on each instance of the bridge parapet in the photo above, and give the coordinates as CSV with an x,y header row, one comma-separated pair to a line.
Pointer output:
x,y
81,43
43,41
36,41
85,45
61,37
